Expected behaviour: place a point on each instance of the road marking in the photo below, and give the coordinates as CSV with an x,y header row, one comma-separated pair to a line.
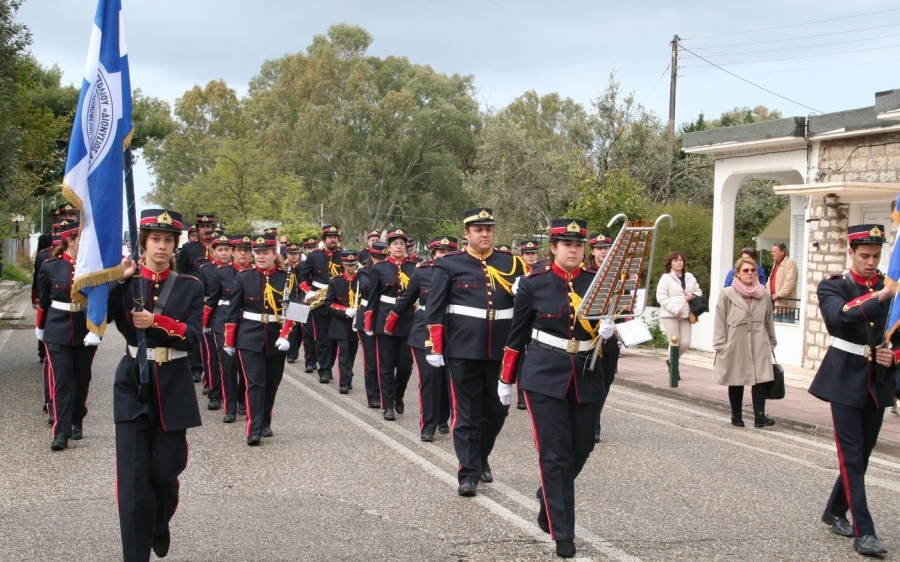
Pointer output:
x,y
602,545
4,337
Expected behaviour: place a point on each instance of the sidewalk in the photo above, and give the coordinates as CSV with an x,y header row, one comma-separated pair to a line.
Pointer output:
x,y
645,369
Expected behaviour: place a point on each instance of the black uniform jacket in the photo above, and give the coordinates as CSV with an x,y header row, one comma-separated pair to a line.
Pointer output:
x,y
187,259
343,293
846,378
388,280
55,284
258,292
42,255
226,274
543,303
320,267
416,297
175,401
212,288
480,283
362,278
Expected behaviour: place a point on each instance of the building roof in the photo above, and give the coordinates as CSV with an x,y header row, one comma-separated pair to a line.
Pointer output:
x,y
791,131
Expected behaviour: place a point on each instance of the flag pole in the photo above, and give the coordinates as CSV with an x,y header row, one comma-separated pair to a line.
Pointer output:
x,y
138,291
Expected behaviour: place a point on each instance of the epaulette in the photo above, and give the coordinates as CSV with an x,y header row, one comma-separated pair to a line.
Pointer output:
x,y
221,265
456,253
538,271
879,273
429,263
502,251
52,259
188,277
836,276
587,269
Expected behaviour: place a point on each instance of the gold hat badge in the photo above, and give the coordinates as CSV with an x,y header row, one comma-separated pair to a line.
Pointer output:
x,y
484,214
573,227
260,240
876,232
164,218
445,241
246,239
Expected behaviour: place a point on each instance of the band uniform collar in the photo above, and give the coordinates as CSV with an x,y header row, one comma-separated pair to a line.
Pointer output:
x,y
401,261
348,277
238,268
68,258
860,280
267,272
478,255
567,275
152,276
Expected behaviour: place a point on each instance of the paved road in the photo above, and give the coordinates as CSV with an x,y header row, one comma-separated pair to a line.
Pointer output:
x,y
670,481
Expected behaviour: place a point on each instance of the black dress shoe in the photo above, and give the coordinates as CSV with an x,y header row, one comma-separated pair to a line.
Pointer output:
x,y
309,368
205,390
374,404
839,525
428,437
44,408
868,545
565,549
229,418
267,432
291,360
542,520
737,421
213,404
486,475
77,434
344,389
398,405
324,379
161,543
350,386
467,489
389,415
242,410
443,428
254,440
59,443
197,376
50,420
521,406
597,434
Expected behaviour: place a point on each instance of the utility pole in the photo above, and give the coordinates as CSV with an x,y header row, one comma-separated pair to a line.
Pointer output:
x,y
672,82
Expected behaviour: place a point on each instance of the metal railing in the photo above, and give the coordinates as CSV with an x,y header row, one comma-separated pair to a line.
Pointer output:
x,y
787,314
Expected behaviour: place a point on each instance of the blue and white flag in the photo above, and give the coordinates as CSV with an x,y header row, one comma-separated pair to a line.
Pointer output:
x,y
893,278
94,179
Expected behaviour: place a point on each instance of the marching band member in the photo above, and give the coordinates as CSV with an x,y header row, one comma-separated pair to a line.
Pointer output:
x,y
530,251
253,328
434,400
468,318
62,326
207,271
292,253
320,267
377,253
371,237
151,436
341,301
562,393
609,351
385,283
309,340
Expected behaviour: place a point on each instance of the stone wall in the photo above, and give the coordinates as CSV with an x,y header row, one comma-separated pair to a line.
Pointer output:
x,y
870,158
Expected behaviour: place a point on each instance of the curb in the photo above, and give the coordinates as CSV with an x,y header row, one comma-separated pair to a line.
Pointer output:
x,y
793,424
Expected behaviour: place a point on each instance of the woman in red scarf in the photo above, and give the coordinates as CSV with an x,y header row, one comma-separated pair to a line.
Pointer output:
x,y
744,340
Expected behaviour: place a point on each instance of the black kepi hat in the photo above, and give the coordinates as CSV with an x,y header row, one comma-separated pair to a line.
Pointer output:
x,y
220,239
379,249
481,215
292,248
568,229
530,246
373,233
264,241
161,219
243,240
331,230
866,234
349,257
310,243
600,240
207,219
397,233
68,228
443,243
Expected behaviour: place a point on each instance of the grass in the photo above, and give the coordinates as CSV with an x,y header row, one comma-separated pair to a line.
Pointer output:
x,y
12,272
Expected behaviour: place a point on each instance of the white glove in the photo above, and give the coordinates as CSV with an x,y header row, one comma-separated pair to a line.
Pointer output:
x,y
91,339
282,344
515,286
607,328
369,333
207,330
435,360
309,296
350,313
228,350
505,392
39,334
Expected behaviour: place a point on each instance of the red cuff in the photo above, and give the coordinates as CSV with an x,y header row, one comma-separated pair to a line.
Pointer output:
x,y
34,296
286,329
207,316
896,353
172,327
857,301
337,306
390,325
508,370
40,318
368,321
230,332
304,287
435,339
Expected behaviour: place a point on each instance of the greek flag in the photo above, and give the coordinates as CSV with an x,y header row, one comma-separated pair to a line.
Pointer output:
x,y
892,278
94,179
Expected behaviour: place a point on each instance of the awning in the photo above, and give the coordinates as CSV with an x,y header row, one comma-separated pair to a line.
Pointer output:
x,y
847,191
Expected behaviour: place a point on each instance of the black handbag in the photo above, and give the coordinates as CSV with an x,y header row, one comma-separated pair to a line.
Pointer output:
x,y
698,305
776,387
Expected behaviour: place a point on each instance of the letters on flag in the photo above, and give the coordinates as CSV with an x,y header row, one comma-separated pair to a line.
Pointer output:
x,y
94,179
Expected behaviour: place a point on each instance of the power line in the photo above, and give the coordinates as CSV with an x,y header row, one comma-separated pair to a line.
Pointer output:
x,y
799,38
792,25
657,83
789,58
801,46
751,83
792,70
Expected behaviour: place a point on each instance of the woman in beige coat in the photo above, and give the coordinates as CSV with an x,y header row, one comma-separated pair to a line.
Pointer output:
x,y
744,340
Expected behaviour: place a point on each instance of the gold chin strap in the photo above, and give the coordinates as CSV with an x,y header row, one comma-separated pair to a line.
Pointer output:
x,y
269,294
499,278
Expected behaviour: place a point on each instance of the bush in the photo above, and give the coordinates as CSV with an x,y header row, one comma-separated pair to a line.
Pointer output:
x,y
659,337
691,235
12,272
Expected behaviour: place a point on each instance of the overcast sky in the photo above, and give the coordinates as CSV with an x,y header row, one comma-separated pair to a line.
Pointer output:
x,y
563,46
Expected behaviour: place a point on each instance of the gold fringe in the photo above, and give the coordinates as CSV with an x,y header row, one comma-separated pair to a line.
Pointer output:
x,y
127,142
71,197
97,278
99,330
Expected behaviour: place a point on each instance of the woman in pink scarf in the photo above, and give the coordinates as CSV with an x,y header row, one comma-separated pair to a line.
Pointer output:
x,y
744,340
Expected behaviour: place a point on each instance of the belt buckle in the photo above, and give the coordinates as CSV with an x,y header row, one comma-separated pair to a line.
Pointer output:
x,y
162,355
74,307
867,351
572,346
264,317
491,313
